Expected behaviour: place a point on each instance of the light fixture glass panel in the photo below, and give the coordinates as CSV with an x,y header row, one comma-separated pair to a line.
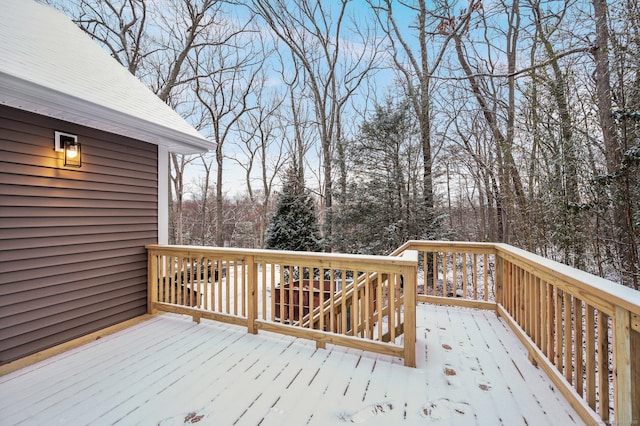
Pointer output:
x,y
72,153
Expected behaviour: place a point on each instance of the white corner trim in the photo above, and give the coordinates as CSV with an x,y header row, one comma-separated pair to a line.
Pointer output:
x,y
163,195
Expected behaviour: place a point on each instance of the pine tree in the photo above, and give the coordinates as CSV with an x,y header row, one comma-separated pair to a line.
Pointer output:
x,y
294,225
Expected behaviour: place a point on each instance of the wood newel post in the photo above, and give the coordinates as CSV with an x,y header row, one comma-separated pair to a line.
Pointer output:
x,y
622,367
152,280
635,369
252,295
410,274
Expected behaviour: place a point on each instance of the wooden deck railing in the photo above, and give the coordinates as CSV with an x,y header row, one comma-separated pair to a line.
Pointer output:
x,y
582,330
364,302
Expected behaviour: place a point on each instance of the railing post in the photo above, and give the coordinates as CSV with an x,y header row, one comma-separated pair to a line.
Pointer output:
x,y
622,367
635,369
152,280
252,295
410,274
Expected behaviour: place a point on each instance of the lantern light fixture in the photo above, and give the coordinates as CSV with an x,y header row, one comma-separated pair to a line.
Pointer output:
x,y
68,144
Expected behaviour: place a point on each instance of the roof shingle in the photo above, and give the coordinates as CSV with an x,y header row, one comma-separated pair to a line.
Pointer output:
x,y
51,67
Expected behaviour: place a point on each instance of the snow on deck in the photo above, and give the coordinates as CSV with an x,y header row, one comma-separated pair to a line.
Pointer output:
x,y
171,371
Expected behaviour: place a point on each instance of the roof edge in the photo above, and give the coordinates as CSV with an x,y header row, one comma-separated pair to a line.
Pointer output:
x,y
32,97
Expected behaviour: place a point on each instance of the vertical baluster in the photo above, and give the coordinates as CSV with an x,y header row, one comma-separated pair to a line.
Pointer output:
x,y
551,309
288,288
343,302
536,311
203,279
184,288
165,277
203,276
355,310
283,288
514,293
590,361
454,283
243,285
380,304
264,285
393,278
211,293
399,299
445,281
323,287
578,345
272,286
568,337
193,274
517,288
475,276
435,273
558,330
425,272
173,282
311,295
219,292
486,277
179,280
300,295
235,285
227,286
544,317
368,304
603,366
464,276
526,302
216,271
332,303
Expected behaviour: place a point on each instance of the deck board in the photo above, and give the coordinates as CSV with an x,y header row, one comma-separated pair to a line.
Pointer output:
x,y
169,370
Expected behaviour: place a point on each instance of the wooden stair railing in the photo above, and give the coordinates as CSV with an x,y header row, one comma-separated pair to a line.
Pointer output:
x,y
377,313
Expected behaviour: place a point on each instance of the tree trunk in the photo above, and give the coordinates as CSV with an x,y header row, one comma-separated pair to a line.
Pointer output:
x,y
626,246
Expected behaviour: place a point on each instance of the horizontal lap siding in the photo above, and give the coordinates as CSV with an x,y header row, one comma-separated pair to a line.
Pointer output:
x,y
72,257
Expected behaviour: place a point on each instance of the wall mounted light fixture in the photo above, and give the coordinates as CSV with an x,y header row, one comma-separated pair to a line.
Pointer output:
x,y
68,144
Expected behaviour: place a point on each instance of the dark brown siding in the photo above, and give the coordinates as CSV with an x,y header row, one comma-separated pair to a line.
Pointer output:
x,y
72,257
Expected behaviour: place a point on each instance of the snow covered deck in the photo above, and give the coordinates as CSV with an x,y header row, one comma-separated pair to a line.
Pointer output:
x,y
471,369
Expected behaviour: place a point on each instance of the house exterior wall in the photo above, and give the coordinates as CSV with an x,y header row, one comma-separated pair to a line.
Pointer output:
x,y
72,257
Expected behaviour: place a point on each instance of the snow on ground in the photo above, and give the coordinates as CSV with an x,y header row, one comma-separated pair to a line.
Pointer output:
x,y
171,371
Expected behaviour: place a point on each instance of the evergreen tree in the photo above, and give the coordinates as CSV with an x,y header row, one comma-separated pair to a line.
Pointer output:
x,y
294,225
384,205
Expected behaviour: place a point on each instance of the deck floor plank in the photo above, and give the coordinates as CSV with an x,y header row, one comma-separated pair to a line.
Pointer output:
x,y
216,374
537,390
291,378
291,399
123,385
165,372
470,371
58,380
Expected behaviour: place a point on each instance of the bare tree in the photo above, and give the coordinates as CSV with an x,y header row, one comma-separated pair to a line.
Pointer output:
x,y
260,144
331,70
227,78
623,209
566,152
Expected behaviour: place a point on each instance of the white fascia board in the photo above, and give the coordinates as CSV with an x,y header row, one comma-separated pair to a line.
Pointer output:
x,y
28,96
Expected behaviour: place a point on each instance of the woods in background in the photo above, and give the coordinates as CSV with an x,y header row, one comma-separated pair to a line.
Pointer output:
x,y
511,121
